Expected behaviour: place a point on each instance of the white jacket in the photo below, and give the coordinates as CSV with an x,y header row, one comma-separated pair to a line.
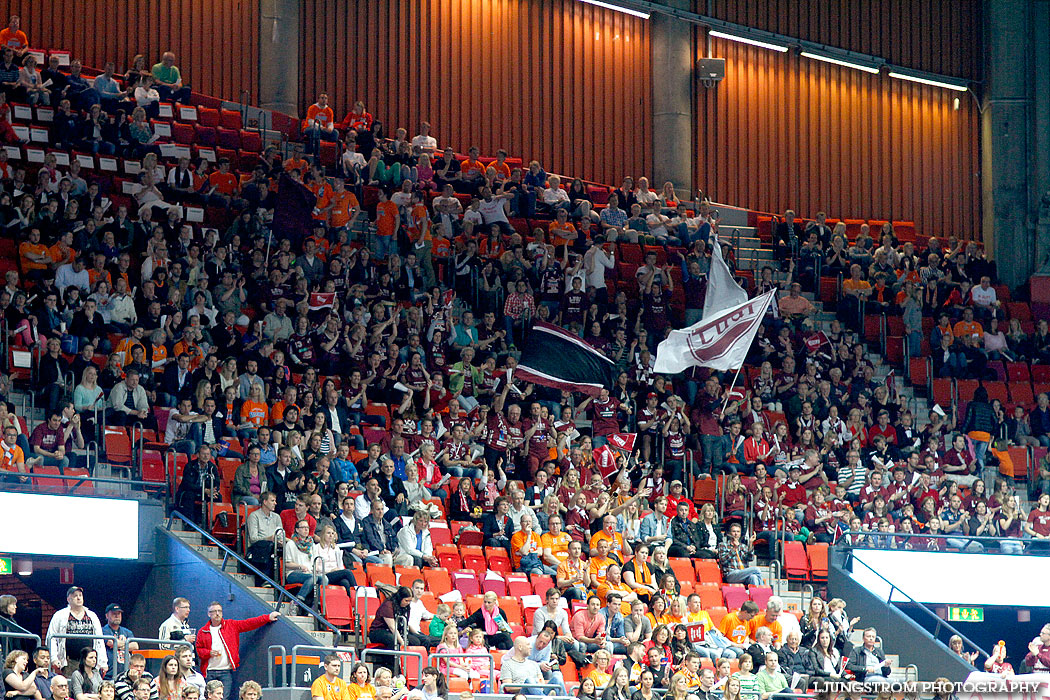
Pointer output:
x,y
59,624
406,537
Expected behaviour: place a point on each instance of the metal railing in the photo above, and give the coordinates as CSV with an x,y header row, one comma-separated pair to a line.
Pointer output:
x,y
939,623
149,640
270,659
80,480
398,655
332,650
228,554
21,635
454,655
867,539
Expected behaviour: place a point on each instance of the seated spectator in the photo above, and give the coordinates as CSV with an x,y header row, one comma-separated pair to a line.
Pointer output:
x,y
867,659
491,620
733,556
31,84
319,124
169,80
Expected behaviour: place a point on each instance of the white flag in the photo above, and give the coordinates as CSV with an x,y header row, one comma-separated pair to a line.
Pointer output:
x,y
720,342
722,290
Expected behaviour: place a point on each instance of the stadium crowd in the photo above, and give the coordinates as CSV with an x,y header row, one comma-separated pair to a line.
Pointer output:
x,y
343,338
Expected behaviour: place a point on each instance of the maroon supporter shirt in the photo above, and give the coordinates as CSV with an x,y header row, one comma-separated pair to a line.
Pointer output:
x,y
1039,521
604,420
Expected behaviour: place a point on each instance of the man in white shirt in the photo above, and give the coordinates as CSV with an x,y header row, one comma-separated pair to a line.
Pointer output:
x,y
494,210
417,612
424,140
176,627
518,509
363,502
595,262
985,300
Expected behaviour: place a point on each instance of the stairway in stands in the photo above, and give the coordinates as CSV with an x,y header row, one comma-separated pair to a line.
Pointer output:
x,y
215,556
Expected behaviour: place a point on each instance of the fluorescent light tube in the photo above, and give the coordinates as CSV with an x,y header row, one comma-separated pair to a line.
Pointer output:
x,y
618,8
746,40
927,81
839,62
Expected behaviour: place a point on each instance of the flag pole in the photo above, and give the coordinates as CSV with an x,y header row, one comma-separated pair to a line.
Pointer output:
x,y
732,386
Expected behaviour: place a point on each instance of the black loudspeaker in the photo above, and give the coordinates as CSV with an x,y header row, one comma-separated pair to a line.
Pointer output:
x,y
711,70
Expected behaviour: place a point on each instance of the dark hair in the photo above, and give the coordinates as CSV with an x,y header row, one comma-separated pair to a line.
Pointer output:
x,y
980,394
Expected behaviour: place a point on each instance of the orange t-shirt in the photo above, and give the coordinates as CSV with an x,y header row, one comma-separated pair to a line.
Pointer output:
x,y
343,203
386,218
160,353
224,183
37,249
442,247
293,164
10,456
194,351
255,412
503,170
760,621
125,345
419,224
323,191
517,541
557,229
59,257
470,166
16,40
324,117
967,328
96,275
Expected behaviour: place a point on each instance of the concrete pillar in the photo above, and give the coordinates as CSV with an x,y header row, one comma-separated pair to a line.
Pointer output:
x,y
279,48
1039,187
1006,139
672,67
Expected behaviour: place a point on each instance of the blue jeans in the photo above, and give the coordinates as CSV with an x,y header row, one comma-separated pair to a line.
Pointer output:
x,y
752,576
384,246
713,450
224,677
980,449
308,581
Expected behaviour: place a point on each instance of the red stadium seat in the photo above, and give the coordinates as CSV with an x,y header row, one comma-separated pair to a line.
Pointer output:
x,y
943,392
735,594
796,563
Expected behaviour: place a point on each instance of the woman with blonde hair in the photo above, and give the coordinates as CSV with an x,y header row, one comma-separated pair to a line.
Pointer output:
x,y
15,685
679,688
250,690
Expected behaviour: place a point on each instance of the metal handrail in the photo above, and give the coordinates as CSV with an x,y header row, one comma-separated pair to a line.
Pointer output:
x,y
270,664
940,623
454,655
337,650
21,635
846,544
365,653
248,566
150,640
57,635
82,479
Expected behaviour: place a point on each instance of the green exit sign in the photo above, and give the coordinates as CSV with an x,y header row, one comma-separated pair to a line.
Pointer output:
x,y
5,566
965,614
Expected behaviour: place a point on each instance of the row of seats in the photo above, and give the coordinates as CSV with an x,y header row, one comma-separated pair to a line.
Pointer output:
x,y
904,230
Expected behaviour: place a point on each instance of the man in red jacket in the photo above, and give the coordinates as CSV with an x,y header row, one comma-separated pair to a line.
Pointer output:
x,y
218,644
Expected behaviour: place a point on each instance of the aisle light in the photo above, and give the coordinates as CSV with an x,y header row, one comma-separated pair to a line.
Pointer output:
x,y
904,74
618,8
744,40
839,62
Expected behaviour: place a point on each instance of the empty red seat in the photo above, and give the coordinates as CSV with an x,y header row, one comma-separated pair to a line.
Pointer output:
x,y
229,138
796,563
251,141
183,133
230,119
208,116
205,134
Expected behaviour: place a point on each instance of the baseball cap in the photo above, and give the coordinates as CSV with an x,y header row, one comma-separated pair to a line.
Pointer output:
x,y
676,481
113,607
73,589
652,395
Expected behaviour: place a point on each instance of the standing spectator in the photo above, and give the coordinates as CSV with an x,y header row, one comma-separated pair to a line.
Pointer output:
x,y
175,628
218,644
118,647
75,618
170,87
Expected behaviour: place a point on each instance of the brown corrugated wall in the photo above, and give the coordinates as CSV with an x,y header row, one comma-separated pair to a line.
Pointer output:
x,y
215,41
560,81
782,131
569,84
